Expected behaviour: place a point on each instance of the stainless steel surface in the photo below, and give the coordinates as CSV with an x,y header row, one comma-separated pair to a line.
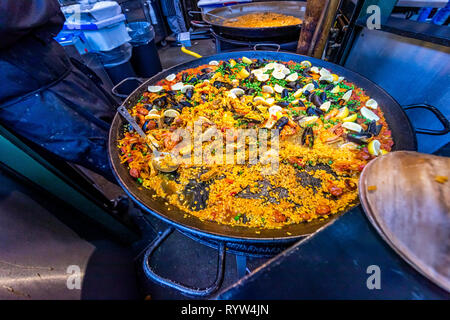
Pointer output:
x,y
410,70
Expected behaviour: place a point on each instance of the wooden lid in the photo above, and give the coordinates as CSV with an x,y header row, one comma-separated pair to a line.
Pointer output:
x,y
406,197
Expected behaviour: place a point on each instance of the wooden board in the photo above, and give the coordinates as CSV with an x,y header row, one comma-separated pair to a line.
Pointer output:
x,y
411,209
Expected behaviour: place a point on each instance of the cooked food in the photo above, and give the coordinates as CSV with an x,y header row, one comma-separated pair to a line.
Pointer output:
x,y
261,143
262,20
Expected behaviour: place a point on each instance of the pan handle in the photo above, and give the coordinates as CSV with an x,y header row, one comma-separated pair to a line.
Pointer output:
x,y
276,45
184,289
200,24
442,119
116,87
192,12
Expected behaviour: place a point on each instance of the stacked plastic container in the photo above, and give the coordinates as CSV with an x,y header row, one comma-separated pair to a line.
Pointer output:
x,y
103,26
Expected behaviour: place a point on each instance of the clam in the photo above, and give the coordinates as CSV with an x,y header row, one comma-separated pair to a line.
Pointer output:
x,y
278,88
270,101
262,77
155,117
186,87
213,63
154,88
274,109
324,72
270,66
258,71
267,89
236,92
177,86
278,75
258,98
315,70
285,70
308,87
371,103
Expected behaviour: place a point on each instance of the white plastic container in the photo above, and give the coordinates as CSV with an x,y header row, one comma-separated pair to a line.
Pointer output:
x,y
102,23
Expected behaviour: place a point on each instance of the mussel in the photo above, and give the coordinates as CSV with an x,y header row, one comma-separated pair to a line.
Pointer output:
x,y
193,80
160,102
281,123
301,104
196,194
311,111
323,96
189,93
185,103
220,84
168,120
316,100
308,137
284,93
316,84
359,138
373,128
249,91
283,104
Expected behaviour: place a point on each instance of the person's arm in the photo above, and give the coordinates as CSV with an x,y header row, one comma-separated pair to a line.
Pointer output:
x,y
20,17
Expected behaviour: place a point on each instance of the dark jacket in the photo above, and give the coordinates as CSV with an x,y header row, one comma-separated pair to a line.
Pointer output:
x,y
43,96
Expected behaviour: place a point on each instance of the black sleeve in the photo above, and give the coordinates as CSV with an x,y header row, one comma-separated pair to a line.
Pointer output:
x,y
21,17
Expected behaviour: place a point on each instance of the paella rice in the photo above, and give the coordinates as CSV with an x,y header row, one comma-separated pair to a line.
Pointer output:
x,y
262,20
325,130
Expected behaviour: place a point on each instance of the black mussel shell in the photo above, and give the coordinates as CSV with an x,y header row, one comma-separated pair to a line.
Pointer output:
x,y
311,111
373,128
281,123
316,84
316,100
285,93
189,93
186,104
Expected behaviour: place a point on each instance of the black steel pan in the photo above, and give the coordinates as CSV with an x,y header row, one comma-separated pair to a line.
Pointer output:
x,y
240,239
291,8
